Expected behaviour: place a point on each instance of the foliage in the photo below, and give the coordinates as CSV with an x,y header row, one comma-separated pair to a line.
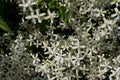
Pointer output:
x,y
60,40
4,26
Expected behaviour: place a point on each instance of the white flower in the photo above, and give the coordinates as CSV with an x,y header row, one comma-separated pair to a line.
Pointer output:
x,y
51,52
27,4
33,16
99,12
48,76
103,33
117,12
55,45
57,58
37,43
106,23
115,73
101,57
30,40
65,45
45,45
44,68
77,45
35,58
51,16
60,57
101,73
39,16
69,59
105,64
85,34
118,58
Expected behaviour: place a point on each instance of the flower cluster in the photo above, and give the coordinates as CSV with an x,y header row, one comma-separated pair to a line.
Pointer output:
x,y
65,40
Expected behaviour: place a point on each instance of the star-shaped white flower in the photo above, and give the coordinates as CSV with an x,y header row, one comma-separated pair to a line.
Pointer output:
x,y
51,16
27,4
33,16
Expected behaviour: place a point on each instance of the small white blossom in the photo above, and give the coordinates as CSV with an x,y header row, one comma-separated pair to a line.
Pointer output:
x,y
115,74
117,12
51,16
106,23
27,4
37,43
35,58
101,73
30,40
33,16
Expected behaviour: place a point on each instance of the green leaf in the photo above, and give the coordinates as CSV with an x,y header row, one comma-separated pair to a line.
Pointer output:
x,y
62,12
43,25
47,1
65,18
39,0
52,4
1,51
4,26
